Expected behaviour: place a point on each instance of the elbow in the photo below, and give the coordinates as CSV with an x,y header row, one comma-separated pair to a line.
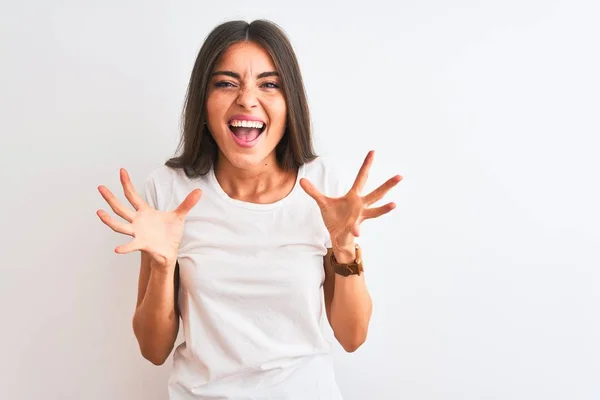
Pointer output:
x,y
153,354
352,346
156,359
351,343
350,336
149,349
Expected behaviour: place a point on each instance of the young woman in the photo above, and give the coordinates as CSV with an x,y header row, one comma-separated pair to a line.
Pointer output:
x,y
243,232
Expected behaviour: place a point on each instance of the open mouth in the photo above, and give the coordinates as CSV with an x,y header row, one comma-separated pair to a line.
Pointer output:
x,y
246,131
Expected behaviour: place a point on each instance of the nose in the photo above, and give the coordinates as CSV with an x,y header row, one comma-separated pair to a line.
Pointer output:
x,y
247,98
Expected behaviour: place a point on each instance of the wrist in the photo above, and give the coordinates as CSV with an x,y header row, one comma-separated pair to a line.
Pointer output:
x,y
345,254
165,268
347,262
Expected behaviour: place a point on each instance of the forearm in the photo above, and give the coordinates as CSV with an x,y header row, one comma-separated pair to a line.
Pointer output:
x,y
156,322
351,306
351,309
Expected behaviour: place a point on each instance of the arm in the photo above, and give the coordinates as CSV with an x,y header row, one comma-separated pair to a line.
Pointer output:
x,y
347,300
157,235
347,303
156,318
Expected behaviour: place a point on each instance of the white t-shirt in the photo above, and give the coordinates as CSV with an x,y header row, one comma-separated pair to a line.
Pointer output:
x,y
251,290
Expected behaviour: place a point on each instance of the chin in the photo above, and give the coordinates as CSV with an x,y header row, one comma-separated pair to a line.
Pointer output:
x,y
246,158
245,161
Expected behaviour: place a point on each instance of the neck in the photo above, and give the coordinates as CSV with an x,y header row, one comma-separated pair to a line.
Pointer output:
x,y
263,183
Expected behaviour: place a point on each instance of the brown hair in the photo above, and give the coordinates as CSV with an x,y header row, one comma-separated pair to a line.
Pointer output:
x,y
199,150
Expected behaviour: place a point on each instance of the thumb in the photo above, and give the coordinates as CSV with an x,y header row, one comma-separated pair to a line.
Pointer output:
x,y
312,191
188,203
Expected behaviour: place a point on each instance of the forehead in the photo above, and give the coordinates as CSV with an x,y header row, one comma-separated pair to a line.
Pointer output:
x,y
245,57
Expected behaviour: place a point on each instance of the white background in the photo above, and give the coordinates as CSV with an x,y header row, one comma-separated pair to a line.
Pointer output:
x,y
485,279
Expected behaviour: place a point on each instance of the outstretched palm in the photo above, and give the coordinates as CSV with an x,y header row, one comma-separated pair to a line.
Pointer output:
x,y
157,233
343,215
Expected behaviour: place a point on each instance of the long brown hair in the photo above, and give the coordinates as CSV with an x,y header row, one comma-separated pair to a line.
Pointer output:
x,y
198,150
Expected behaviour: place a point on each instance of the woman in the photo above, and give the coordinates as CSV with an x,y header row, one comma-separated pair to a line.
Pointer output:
x,y
242,233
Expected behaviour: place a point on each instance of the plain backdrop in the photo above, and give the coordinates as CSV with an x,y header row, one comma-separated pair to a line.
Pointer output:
x,y
485,279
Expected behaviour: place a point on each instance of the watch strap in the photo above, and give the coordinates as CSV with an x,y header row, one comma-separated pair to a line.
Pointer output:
x,y
353,268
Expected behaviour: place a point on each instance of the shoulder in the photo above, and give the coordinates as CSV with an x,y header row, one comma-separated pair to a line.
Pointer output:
x,y
159,185
328,175
165,187
165,176
160,179
160,175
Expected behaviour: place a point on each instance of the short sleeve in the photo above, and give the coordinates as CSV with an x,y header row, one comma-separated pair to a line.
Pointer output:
x,y
149,192
158,188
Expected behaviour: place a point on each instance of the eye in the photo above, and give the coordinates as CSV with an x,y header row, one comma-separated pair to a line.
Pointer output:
x,y
270,85
224,84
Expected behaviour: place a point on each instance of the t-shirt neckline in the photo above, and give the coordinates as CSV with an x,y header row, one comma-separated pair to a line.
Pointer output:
x,y
254,206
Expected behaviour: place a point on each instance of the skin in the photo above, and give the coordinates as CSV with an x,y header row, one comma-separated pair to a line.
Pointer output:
x,y
248,174
347,300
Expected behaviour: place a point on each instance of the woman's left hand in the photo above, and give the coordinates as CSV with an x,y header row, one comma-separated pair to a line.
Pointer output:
x,y
343,215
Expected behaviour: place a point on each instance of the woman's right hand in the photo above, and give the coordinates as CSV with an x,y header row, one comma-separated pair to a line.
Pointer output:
x,y
157,233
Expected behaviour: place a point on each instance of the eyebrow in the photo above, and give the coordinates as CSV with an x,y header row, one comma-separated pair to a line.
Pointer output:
x,y
237,76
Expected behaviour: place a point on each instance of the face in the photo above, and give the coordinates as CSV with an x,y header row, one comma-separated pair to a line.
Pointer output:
x,y
246,109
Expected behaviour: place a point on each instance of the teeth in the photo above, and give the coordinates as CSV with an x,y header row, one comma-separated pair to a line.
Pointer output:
x,y
246,124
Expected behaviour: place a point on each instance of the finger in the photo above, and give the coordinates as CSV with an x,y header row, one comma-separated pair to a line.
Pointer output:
x,y
378,193
363,173
188,203
134,198
115,204
114,224
128,248
378,211
313,192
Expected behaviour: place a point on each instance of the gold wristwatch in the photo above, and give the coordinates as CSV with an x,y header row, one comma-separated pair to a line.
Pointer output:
x,y
353,268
